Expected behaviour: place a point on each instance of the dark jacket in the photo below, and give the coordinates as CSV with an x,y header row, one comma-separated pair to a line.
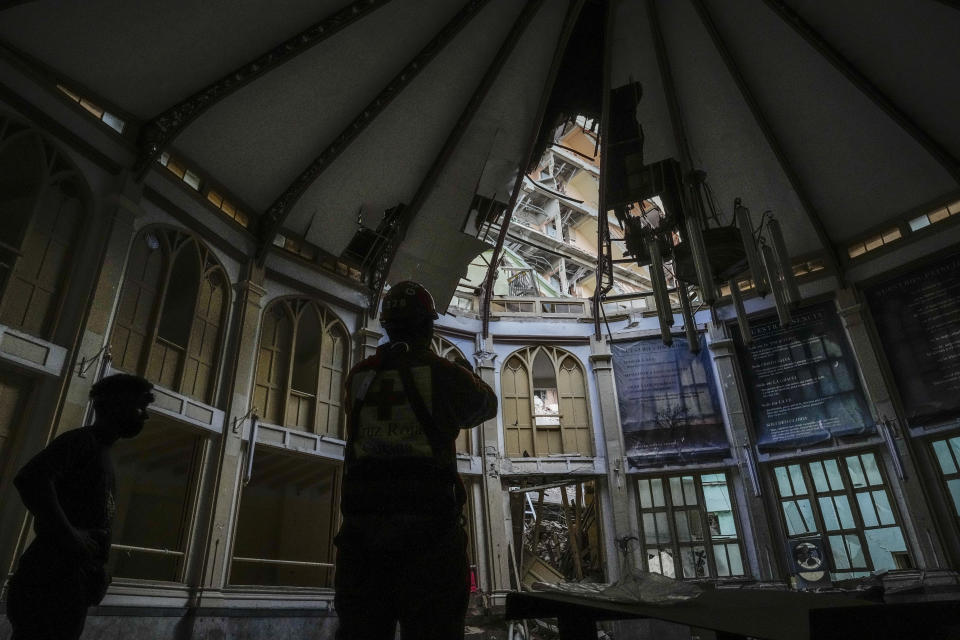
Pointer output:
x,y
401,452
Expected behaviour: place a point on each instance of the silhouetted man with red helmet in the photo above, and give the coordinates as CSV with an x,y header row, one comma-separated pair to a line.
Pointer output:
x,y
402,553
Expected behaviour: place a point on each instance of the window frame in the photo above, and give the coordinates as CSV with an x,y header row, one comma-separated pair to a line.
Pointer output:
x,y
191,516
294,307
443,348
557,356
304,458
57,168
171,241
676,545
944,478
847,490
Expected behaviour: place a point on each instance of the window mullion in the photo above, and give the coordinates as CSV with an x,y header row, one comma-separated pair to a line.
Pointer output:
x,y
319,375
286,393
169,259
672,527
533,407
705,527
193,321
814,498
855,505
189,516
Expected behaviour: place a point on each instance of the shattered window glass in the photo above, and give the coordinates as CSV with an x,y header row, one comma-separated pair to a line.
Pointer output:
x,y
852,507
689,527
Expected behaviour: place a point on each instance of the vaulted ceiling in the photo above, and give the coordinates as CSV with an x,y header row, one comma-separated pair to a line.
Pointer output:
x,y
837,116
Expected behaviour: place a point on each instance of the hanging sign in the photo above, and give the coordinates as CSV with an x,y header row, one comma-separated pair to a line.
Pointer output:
x,y
802,380
669,407
918,320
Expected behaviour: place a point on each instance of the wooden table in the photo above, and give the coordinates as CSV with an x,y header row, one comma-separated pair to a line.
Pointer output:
x,y
741,613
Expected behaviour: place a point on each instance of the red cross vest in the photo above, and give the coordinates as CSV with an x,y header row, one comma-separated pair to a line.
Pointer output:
x,y
398,458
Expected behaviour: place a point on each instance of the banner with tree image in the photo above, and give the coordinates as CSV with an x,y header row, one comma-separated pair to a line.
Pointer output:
x,y
669,405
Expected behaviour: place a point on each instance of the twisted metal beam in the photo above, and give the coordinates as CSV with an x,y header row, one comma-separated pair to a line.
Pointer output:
x,y
569,22
160,131
866,86
273,218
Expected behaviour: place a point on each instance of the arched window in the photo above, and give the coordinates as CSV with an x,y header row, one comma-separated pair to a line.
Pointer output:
x,y
446,349
43,205
171,314
544,398
301,368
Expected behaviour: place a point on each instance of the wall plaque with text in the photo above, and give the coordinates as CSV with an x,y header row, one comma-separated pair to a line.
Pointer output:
x,y
918,320
802,380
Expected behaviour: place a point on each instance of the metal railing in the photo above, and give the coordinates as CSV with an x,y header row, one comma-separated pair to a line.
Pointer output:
x,y
290,563
535,306
163,552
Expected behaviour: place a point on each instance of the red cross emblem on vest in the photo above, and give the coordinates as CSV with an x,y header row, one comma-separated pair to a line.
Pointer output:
x,y
386,398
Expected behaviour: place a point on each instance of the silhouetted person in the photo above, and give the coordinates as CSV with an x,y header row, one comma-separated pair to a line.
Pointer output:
x,y
402,553
69,489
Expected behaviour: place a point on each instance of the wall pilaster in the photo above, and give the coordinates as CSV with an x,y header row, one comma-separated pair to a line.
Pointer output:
x,y
229,460
367,339
763,551
619,501
899,459
495,513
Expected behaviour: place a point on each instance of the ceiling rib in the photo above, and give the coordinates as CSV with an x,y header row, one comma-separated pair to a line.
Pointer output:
x,y
160,131
670,89
273,218
772,141
868,88
456,133
569,22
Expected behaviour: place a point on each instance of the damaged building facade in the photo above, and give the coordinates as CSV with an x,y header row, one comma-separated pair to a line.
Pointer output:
x,y
819,449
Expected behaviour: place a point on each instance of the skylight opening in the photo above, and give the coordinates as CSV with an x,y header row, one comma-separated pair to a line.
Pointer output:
x,y
311,253
938,215
228,208
874,242
113,121
801,268
178,169
193,180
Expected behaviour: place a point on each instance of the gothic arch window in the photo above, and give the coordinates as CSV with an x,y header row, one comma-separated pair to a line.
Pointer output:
x,y
43,206
172,312
544,399
446,349
301,367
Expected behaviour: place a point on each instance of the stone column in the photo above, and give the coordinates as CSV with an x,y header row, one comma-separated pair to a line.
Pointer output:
x,y
367,339
763,550
619,501
918,523
495,515
228,462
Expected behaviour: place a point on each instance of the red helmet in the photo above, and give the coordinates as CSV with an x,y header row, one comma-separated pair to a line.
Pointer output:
x,y
407,302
